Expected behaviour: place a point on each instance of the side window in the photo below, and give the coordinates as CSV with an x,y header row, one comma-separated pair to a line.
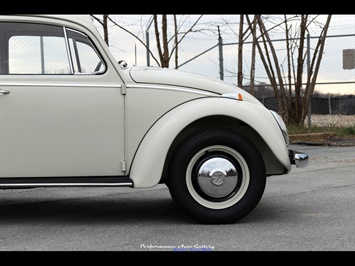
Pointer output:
x,y
36,49
85,58
31,48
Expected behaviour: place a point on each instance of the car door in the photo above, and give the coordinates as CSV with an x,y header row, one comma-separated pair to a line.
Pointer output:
x,y
61,107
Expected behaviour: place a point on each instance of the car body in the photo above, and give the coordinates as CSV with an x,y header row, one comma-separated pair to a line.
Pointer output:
x,y
70,115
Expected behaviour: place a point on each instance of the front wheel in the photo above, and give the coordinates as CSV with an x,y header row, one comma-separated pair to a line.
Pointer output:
x,y
217,176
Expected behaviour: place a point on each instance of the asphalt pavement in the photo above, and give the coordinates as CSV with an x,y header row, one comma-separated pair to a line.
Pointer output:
x,y
310,209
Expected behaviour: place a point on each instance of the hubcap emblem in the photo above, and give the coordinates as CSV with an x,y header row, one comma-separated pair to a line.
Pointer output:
x,y
217,178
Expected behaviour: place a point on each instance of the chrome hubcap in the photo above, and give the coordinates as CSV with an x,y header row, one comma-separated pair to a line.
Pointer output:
x,y
217,177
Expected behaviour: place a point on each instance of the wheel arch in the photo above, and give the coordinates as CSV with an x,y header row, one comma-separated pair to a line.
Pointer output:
x,y
233,124
152,159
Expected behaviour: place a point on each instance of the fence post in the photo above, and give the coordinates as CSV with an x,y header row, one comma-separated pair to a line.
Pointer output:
x,y
220,46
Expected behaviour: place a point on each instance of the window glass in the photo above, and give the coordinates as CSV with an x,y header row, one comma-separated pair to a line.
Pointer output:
x,y
85,58
35,49
38,55
31,48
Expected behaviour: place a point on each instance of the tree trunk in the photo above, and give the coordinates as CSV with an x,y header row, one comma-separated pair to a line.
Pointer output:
x,y
176,42
296,115
311,80
165,62
279,91
104,25
240,52
252,67
157,37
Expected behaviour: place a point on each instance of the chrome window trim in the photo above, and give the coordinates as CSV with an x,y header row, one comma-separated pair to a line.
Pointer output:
x,y
68,51
92,45
34,84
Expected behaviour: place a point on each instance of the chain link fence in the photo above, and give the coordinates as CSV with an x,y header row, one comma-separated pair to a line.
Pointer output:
x,y
333,103
331,111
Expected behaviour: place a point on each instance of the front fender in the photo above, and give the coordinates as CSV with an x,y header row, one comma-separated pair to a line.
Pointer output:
x,y
148,163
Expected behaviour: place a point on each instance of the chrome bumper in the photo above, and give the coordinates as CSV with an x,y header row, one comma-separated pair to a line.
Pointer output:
x,y
299,159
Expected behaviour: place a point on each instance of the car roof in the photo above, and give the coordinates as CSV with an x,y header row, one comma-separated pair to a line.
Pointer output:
x,y
83,19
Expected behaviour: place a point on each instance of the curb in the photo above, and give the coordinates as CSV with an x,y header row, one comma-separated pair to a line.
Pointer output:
x,y
321,139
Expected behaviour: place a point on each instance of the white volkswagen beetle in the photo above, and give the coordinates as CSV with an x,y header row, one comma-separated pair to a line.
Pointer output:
x,y
70,115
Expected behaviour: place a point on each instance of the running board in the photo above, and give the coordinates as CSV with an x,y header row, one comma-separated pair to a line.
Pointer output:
x,y
97,181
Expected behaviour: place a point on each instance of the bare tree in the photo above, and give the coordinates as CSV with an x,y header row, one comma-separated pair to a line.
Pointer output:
x,y
292,103
252,67
104,26
164,40
242,37
313,71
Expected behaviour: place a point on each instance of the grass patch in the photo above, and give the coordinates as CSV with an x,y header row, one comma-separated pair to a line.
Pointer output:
x,y
348,131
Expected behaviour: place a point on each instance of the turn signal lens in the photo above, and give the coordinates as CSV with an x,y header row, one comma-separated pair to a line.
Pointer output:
x,y
240,97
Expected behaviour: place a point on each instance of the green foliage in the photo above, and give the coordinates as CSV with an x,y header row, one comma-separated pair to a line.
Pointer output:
x,y
341,131
348,131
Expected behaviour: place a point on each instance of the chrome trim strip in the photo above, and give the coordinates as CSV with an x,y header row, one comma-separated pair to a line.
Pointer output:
x,y
66,184
129,86
233,95
68,181
61,85
171,88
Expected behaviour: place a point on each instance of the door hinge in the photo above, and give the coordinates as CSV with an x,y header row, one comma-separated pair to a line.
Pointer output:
x,y
124,166
123,89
